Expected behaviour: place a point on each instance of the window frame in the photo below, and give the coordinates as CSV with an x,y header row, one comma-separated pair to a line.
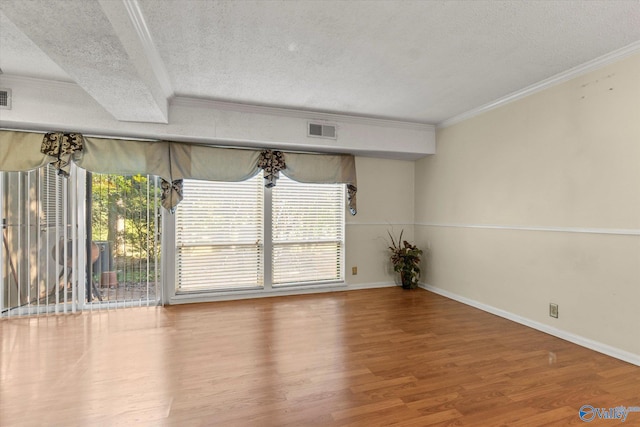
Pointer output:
x,y
173,296
340,241
249,210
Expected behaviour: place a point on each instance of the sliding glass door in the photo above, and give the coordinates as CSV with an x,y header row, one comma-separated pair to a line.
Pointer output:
x,y
40,242
125,223
82,242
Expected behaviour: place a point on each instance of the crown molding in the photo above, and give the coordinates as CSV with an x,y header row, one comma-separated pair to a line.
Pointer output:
x,y
189,102
38,83
562,77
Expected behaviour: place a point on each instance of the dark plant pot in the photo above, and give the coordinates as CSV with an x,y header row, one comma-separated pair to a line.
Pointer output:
x,y
406,281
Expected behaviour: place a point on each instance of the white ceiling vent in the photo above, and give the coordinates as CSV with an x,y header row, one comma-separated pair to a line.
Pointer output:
x,y
318,130
5,99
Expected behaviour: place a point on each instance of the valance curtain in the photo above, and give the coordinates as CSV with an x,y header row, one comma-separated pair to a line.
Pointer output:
x,y
20,151
172,161
325,169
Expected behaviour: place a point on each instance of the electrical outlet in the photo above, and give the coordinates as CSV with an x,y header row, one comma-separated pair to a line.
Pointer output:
x,y
553,310
354,271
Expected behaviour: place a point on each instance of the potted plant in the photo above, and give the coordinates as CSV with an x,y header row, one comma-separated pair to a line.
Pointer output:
x,y
405,258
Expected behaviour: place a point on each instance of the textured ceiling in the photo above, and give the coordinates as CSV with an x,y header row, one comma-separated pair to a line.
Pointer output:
x,y
423,61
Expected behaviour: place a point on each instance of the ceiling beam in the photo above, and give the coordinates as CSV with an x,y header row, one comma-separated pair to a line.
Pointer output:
x,y
107,61
131,28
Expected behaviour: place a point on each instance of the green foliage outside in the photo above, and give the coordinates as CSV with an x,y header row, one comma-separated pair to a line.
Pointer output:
x,y
123,213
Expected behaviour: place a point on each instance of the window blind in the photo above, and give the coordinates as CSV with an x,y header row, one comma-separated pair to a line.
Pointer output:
x,y
219,235
50,195
308,232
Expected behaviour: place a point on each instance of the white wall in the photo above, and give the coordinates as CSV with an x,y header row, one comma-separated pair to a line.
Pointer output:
x,y
539,201
385,202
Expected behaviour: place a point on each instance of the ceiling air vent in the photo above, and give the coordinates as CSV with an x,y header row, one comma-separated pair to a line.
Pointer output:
x,y
318,130
5,99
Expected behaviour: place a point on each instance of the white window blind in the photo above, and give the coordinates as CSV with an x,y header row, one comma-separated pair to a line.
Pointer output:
x,y
308,232
50,196
219,235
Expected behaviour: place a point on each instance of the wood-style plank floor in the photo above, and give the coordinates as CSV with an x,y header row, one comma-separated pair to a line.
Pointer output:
x,y
363,358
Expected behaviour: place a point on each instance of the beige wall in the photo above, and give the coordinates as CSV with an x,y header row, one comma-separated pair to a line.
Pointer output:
x,y
385,202
557,176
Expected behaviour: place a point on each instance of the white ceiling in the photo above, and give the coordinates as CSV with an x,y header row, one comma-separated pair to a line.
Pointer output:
x,y
421,61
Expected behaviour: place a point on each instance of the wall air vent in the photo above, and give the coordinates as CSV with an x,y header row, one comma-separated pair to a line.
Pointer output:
x,y
5,99
318,130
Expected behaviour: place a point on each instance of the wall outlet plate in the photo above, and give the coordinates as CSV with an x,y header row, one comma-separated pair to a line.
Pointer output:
x,y
553,310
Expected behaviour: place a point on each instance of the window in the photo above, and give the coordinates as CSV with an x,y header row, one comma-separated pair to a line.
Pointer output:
x,y
308,232
221,229
50,195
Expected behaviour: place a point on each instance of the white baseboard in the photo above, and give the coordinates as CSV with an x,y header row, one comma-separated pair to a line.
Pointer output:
x,y
568,336
369,286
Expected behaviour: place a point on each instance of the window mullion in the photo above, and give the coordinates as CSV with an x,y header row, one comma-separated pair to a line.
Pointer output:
x,y
268,238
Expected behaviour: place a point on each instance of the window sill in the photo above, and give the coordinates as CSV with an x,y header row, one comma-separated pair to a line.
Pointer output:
x,y
293,289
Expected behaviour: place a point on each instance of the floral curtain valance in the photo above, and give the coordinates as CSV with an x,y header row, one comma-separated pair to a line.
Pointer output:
x,y
172,161
271,162
62,147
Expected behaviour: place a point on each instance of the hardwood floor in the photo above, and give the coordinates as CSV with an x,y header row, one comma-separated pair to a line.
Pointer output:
x,y
359,358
